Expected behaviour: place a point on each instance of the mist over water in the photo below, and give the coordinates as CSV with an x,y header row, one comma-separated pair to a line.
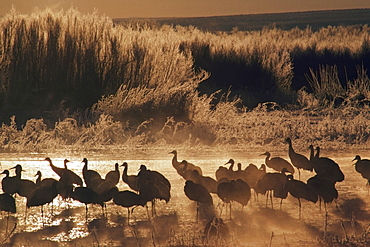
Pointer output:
x,y
64,222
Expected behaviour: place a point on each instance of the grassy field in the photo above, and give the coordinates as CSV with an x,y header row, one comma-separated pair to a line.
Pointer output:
x,y
92,84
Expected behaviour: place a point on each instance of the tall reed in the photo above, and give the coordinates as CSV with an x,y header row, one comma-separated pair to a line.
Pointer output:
x,y
92,83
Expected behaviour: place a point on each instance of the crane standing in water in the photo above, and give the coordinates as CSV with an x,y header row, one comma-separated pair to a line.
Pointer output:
x,y
300,161
130,180
199,194
69,176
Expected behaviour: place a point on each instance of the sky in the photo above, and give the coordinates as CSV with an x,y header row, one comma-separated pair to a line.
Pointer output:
x,y
180,8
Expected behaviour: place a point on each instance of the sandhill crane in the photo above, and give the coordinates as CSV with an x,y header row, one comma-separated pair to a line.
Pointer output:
x,y
362,166
216,229
231,173
128,199
149,175
324,188
89,175
106,189
197,193
209,183
69,176
130,180
45,181
278,163
299,189
232,163
224,190
114,175
298,160
87,196
252,174
153,185
24,186
326,168
273,183
57,170
239,171
223,172
65,163
234,190
176,164
9,184
64,188
242,192
42,195
180,167
7,204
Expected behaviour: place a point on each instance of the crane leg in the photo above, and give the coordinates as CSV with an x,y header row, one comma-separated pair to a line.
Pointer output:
x,y
86,211
267,198
7,224
230,209
197,208
128,216
147,211
272,204
42,215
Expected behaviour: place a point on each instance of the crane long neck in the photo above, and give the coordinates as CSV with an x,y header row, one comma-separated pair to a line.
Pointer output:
x,y
175,162
291,150
231,167
38,179
267,159
317,153
51,164
125,176
18,172
84,169
185,166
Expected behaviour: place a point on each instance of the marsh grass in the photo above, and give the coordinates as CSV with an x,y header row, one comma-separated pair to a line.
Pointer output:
x,y
94,84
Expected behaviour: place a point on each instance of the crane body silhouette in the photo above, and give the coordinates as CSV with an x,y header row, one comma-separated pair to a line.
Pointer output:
x,y
300,161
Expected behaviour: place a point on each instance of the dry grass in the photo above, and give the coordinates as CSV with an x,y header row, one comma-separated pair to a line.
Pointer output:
x,y
93,84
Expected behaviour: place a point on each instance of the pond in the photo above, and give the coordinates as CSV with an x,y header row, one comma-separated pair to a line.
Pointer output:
x,y
64,223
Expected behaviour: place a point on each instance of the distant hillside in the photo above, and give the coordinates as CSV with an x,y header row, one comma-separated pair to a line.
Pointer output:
x,y
314,19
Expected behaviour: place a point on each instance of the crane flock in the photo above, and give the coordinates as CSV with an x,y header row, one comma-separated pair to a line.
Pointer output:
x,y
228,186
